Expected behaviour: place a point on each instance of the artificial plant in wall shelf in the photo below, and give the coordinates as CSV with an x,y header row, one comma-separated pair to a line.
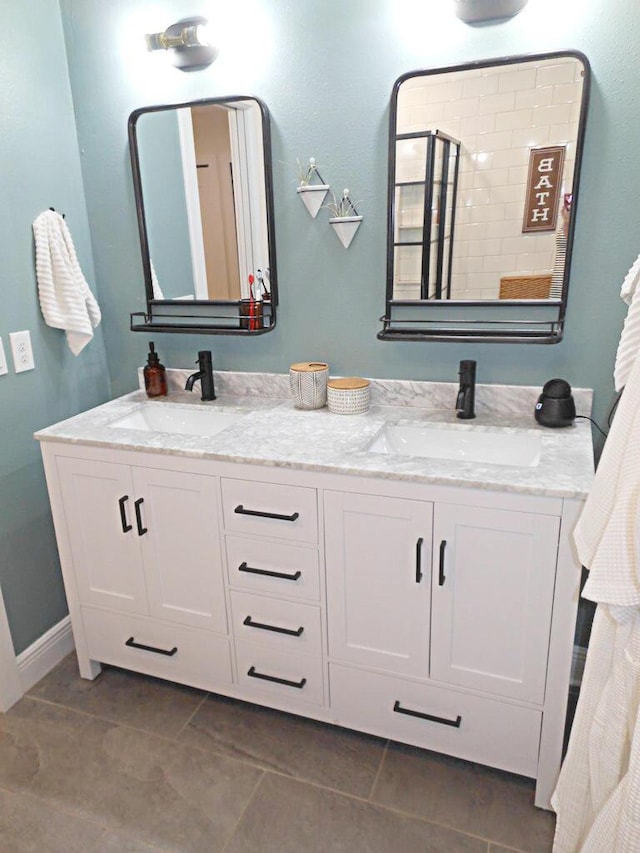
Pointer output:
x,y
311,187
345,219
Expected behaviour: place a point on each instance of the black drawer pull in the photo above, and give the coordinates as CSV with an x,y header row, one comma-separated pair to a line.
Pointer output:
x,y
141,530
254,674
442,720
242,511
133,645
419,559
243,567
290,631
126,527
441,577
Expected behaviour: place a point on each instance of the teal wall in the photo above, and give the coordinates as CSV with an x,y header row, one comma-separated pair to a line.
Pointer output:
x,y
325,68
40,168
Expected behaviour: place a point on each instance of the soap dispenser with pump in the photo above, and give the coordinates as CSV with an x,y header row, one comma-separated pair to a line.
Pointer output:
x,y
155,374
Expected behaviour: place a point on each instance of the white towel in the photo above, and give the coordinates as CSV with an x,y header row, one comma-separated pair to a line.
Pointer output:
x,y
630,338
65,299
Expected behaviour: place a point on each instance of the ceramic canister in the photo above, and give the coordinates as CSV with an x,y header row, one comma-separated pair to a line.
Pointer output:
x,y
308,383
348,396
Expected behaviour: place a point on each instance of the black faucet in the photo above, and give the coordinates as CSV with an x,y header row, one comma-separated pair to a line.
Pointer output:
x,y
205,375
465,401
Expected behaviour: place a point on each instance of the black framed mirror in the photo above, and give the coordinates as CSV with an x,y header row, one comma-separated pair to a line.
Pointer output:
x,y
202,176
484,167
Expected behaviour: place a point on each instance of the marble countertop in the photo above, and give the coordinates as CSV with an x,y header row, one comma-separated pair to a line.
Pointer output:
x,y
272,432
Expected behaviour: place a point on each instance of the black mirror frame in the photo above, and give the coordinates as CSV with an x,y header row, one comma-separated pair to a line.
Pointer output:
x,y
445,320
215,316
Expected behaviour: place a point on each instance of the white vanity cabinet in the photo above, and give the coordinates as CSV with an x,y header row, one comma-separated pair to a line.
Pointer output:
x,y
435,615
272,534
378,562
492,599
143,565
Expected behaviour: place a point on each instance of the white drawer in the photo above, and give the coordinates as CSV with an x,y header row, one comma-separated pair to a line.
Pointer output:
x,y
270,509
488,731
291,679
285,625
201,659
273,567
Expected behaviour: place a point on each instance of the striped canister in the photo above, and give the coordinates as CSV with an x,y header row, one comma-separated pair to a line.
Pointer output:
x,y
308,383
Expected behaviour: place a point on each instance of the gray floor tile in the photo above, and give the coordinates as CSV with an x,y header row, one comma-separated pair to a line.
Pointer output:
x,y
305,749
475,799
287,816
115,842
122,697
29,825
136,783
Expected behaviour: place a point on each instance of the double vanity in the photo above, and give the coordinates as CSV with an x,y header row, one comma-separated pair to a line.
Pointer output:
x,y
398,572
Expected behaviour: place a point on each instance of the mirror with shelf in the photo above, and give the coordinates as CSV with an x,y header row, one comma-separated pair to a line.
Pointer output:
x,y
202,177
484,164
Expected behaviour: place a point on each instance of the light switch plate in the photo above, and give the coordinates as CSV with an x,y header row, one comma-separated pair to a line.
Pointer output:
x,y
3,360
21,351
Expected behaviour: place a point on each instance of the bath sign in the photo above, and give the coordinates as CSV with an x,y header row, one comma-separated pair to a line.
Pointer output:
x,y
543,189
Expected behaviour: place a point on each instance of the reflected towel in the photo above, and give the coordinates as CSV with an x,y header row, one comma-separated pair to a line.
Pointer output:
x,y
65,299
630,337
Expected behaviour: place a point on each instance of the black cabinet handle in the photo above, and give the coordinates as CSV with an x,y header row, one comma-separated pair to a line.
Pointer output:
x,y
254,674
442,720
290,631
243,567
242,511
126,527
441,577
141,530
419,559
133,645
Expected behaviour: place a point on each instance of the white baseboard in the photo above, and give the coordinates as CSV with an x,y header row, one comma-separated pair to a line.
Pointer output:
x,y
47,651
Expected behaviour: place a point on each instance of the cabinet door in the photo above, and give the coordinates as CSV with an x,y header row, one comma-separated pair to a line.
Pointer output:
x,y
181,547
378,577
493,582
99,509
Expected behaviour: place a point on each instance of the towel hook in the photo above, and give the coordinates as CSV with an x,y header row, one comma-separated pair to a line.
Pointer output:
x,y
54,210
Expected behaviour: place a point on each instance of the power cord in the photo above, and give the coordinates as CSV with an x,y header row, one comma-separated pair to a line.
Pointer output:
x,y
587,418
610,416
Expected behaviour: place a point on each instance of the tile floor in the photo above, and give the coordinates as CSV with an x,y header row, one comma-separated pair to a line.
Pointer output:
x,y
130,764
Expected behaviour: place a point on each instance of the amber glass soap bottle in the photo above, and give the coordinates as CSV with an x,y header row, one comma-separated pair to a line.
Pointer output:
x,y
155,374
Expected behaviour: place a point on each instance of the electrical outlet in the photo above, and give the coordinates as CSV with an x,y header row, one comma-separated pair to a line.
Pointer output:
x,y
21,351
3,360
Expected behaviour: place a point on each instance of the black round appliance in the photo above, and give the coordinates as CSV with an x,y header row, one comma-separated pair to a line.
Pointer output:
x,y
555,406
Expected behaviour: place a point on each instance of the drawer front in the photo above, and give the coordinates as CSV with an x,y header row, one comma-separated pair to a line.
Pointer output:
x,y
270,509
285,625
293,680
471,727
273,568
201,658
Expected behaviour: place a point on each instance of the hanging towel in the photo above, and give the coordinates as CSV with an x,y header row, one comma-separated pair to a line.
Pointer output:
x,y
630,337
65,299
597,799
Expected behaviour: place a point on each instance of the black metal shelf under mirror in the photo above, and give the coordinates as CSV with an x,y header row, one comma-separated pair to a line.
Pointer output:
x,y
203,183
484,168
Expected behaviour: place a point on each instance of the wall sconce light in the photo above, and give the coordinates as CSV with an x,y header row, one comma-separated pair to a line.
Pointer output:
x,y
477,11
188,44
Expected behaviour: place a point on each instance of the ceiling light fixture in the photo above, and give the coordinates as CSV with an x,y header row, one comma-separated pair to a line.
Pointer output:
x,y
477,11
188,43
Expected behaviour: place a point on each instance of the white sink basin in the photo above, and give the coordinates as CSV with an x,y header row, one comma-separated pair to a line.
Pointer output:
x,y
184,420
464,444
